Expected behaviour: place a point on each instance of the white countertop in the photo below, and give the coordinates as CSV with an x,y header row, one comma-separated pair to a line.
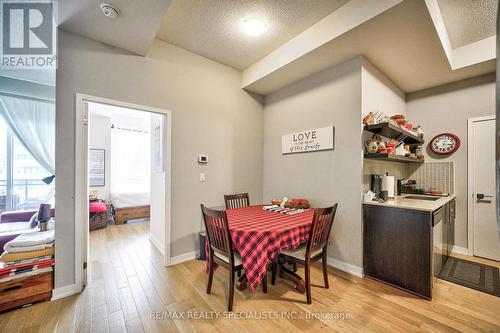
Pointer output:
x,y
415,204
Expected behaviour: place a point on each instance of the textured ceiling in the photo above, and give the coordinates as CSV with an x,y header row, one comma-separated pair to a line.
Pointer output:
x,y
133,30
402,42
468,21
213,28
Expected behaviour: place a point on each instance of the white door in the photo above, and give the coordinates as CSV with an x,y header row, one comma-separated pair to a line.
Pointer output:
x,y
486,233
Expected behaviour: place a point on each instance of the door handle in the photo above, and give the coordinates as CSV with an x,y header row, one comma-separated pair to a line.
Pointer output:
x,y
481,196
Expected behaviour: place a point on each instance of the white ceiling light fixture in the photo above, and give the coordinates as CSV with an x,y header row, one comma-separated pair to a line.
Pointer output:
x,y
108,10
254,27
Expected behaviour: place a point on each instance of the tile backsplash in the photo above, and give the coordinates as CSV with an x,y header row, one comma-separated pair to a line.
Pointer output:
x,y
433,175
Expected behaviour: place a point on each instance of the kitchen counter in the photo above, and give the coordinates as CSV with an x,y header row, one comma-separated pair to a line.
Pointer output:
x,y
407,241
413,204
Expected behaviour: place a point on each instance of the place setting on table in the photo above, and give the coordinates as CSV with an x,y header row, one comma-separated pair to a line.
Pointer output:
x,y
251,240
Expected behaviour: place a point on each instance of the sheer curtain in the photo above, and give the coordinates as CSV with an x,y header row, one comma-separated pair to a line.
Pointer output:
x,y
33,122
130,161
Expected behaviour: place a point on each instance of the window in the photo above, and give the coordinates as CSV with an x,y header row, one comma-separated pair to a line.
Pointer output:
x,y
21,185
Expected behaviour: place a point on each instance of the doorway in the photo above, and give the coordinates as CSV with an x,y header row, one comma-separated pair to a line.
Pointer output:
x,y
127,171
483,232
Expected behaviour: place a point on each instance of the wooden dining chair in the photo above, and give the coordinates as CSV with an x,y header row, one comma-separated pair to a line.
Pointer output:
x,y
316,247
233,201
221,249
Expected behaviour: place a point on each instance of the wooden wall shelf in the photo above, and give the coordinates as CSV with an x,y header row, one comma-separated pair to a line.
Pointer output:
x,y
392,131
392,157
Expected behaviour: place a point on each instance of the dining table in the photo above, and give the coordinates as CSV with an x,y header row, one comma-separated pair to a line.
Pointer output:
x,y
259,236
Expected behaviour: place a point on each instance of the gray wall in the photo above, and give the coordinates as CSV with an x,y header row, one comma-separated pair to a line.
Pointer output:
x,y
211,114
446,109
380,94
332,97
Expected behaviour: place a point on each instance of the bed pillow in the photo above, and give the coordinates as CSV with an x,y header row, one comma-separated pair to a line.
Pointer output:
x,y
97,207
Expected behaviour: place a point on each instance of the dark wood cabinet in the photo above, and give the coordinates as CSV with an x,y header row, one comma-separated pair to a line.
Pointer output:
x,y
407,248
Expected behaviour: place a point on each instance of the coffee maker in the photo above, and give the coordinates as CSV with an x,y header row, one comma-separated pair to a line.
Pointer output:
x,y
376,184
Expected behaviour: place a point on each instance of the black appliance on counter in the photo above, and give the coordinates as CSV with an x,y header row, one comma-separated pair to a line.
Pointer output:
x,y
376,184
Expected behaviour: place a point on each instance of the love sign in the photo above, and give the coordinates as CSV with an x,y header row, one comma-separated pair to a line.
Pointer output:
x,y
310,140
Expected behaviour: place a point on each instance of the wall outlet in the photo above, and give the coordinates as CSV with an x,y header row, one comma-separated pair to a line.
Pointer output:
x,y
202,177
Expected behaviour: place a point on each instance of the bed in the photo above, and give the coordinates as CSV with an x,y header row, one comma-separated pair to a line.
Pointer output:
x,y
130,205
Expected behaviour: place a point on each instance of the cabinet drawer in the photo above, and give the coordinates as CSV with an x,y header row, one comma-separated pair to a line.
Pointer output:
x,y
438,216
26,290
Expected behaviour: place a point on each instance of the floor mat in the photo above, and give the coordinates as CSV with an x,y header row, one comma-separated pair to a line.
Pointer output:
x,y
471,274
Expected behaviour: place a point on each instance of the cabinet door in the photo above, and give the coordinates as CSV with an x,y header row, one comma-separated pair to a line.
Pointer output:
x,y
444,249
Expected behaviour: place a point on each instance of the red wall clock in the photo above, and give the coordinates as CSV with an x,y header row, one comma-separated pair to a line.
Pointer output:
x,y
445,144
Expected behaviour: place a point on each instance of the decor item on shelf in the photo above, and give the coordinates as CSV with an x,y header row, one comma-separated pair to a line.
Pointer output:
x,y
419,153
399,119
376,117
369,119
420,131
444,144
372,146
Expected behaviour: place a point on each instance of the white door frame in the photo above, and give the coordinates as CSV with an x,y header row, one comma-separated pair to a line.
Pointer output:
x,y
81,177
470,180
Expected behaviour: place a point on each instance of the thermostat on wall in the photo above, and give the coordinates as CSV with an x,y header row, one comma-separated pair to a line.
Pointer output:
x,y
202,159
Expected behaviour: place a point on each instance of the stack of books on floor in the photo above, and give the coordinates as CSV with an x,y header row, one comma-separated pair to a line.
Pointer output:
x,y
27,254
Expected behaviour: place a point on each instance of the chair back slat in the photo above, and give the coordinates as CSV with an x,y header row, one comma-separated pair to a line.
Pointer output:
x,y
321,227
233,201
217,227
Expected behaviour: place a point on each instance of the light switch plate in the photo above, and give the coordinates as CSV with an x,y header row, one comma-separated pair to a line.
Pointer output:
x,y
202,177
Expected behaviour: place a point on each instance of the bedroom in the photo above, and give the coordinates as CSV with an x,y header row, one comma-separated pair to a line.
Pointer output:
x,y
124,161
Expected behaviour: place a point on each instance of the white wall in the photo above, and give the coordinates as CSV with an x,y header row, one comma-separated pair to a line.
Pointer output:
x,y
100,138
446,109
157,207
210,114
332,97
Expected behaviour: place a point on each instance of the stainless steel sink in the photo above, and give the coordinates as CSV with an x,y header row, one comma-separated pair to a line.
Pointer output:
x,y
418,197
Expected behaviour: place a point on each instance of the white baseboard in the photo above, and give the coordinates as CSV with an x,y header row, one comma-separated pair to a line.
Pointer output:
x,y
64,291
183,258
460,250
157,244
343,266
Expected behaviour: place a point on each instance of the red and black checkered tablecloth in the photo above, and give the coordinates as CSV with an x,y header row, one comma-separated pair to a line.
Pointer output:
x,y
259,236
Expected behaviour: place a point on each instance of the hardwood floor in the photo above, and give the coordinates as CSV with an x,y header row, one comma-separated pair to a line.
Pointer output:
x,y
128,282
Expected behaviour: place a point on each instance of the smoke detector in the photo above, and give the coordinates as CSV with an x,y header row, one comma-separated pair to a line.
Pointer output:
x,y
108,10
